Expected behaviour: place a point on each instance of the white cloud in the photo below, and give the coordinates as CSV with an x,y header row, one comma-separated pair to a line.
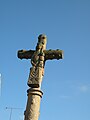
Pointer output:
x,y
84,88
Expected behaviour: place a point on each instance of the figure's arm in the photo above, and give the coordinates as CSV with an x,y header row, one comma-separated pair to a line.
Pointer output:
x,y
53,54
23,54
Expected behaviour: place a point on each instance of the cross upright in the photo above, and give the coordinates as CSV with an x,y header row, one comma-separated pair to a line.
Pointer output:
x,y
38,58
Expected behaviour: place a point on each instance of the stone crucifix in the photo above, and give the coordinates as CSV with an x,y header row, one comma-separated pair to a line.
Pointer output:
x,y
38,58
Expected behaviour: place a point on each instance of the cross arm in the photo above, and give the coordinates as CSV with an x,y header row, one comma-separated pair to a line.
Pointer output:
x,y
53,54
23,54
49,54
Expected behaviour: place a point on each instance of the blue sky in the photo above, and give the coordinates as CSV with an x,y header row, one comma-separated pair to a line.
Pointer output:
x,y
66,83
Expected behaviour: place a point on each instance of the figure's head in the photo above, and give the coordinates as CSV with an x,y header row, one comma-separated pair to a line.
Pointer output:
x,y
42,39
42,36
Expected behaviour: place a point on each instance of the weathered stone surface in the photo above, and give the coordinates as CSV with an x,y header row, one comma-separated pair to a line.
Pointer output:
x,y
37,61
35,77
38,58
33,104
49,54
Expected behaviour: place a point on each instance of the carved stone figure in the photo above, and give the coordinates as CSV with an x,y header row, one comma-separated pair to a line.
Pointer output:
x,y
37,61
38,58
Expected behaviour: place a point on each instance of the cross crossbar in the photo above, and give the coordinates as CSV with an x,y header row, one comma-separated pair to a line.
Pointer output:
x,y
49,54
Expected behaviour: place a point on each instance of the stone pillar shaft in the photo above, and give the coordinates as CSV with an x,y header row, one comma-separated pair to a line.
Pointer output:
x,y
33,104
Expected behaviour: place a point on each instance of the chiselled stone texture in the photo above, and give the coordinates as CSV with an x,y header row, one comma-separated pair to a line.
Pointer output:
x,y
37,61
33,104
38,58
49,54
35,77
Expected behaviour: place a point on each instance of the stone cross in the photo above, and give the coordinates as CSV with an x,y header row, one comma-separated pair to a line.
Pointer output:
x,y
38,58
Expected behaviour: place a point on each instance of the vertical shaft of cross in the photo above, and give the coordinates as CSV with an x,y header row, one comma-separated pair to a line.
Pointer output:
x,y
34,81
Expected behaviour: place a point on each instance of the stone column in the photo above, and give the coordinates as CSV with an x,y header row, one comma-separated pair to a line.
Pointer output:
x,y
33,104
